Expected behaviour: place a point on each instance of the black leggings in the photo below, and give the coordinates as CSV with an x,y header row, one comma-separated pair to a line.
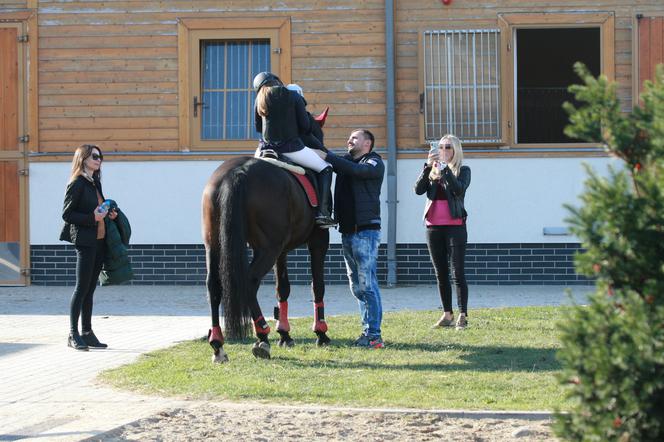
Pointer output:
x,y
447,244
88,266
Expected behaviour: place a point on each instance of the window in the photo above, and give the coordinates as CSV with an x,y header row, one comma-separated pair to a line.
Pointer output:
x,y
461,93
540,50
544,70
227,71
504,87
218,61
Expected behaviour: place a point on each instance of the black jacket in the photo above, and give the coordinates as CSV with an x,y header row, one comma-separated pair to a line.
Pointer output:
x,y
287,121
80,227
364,177
455,189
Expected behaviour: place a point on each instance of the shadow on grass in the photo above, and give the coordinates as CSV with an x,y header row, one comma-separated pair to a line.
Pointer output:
x,y
474,358
444,356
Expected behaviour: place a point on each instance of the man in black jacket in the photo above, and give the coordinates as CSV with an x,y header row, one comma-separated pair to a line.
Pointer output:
x,y
357,206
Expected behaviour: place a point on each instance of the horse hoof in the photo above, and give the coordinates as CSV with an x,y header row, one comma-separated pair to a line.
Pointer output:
x,y
322,340
261,350
286,342
220,357
285,339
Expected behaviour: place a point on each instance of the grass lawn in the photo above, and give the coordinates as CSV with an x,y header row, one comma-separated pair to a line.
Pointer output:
x,y
505,360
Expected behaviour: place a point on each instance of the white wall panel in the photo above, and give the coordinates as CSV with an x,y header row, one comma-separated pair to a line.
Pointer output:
x,y
510,200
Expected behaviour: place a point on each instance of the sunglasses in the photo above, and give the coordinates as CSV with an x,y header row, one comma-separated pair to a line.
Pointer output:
x,y
446,146
97,157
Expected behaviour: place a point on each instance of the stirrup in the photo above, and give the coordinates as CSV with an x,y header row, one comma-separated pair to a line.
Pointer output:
x,y
325,222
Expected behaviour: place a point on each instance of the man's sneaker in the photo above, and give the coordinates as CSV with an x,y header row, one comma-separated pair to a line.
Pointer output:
x,y
362,341
376,343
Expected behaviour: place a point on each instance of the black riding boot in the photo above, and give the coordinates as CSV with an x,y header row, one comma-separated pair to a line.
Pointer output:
x,y
324,212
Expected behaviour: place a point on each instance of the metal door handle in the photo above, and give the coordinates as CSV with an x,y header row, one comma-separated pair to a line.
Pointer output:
x,y
196,104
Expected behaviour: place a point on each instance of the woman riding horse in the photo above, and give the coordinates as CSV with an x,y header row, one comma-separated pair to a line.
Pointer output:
x,y
250,201
281,117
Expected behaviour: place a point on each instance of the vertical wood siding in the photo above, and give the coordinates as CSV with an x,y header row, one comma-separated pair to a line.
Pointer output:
x,y
651,47
9,202
8,90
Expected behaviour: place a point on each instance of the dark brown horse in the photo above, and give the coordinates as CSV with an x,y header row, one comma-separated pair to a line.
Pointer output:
x,y
250,201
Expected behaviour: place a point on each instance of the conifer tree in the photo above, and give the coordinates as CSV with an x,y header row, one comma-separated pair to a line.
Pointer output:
x,y
613,347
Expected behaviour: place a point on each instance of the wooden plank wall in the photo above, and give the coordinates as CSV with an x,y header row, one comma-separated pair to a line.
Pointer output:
x,y
413,17
109,75
13,4
108,70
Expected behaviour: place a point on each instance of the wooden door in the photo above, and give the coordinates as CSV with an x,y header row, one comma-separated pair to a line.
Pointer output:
x,y
650,47
13,236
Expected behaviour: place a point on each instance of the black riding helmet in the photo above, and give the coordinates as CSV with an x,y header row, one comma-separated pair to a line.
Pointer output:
x,y
263,78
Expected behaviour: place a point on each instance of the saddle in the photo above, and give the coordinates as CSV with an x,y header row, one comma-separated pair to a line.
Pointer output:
x,y
305,177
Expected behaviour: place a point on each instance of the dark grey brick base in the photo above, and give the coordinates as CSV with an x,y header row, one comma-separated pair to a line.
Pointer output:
x,y
185,264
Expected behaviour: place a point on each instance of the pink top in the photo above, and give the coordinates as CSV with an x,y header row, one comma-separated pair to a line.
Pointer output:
x,y
439,215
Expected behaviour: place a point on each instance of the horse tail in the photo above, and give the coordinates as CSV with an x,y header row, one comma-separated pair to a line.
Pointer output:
x,y
233,265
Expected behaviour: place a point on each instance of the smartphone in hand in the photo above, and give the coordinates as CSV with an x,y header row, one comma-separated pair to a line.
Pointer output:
x,y
434,154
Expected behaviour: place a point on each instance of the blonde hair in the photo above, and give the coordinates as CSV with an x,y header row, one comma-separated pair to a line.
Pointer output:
x,y
81,154
457,158
264,95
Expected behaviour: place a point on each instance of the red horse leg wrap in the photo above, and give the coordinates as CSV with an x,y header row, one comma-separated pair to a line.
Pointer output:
x,y
281,315
215,334
261,327
319,318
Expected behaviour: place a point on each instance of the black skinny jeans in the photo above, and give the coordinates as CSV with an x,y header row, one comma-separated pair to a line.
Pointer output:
x,y
88,266
447,244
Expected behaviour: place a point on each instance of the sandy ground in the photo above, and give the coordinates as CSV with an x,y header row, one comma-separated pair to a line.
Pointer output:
x,y
265,423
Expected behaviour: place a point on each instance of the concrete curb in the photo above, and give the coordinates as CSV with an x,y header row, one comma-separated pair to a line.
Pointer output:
x,y
453,414
470,414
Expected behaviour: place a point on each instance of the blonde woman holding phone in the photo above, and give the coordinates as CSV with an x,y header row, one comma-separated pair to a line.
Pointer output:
x,y
445,180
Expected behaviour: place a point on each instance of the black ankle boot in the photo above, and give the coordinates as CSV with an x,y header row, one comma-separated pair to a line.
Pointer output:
x,y
76,342
92,341
324,212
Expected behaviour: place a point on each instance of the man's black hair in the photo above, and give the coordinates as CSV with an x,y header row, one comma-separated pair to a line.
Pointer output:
x,y
367,134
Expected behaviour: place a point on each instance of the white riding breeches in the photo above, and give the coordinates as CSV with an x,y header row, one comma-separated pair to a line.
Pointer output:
x,y
308,158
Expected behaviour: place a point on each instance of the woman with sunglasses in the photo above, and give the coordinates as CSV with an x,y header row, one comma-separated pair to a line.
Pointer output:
x,y
445,180
84,213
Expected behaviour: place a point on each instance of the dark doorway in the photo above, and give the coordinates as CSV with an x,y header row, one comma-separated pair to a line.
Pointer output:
x,y
545,60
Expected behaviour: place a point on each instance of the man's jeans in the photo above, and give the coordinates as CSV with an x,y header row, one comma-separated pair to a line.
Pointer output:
x,y
360,254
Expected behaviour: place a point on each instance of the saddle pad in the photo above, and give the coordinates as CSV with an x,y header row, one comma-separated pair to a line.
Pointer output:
x,y
294,168
308,188
300,175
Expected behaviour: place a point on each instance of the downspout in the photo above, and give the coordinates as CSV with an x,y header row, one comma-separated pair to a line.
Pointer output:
x,y
390,88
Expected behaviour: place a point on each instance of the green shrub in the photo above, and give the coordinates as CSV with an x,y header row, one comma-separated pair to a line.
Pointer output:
x,y
613,348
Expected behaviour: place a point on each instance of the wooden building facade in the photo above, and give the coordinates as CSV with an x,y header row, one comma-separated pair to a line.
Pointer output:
x,y
169,82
